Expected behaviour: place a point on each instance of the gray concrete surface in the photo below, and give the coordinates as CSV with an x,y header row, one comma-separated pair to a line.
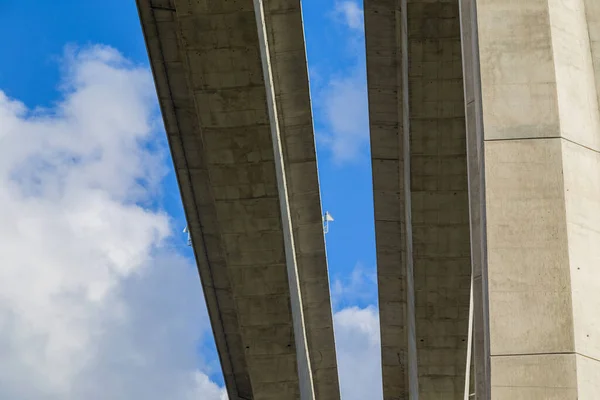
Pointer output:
x,y
420,194
533,134
531,131
244,206
485,140
481,365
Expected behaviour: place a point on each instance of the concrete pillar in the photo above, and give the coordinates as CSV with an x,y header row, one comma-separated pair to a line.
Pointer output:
x,y
533,134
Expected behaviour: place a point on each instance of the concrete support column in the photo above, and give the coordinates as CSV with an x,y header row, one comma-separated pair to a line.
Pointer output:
x,y
533,138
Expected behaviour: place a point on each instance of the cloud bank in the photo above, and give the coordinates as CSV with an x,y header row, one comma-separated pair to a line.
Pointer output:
x,y
356,323
359,354
94,303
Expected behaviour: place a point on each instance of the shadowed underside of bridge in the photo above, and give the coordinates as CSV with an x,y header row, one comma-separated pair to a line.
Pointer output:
x,y
485,140
232,83
420,195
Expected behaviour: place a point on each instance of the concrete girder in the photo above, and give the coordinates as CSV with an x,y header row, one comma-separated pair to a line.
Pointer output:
x,y
420,195
232,83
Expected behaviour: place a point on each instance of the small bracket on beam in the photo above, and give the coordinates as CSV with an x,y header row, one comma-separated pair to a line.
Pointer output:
x,y
189,236
327,218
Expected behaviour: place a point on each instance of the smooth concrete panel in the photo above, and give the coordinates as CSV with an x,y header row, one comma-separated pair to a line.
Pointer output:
x,y
534,377
581,168
518,81
537,71
575,77
588,377
592,12
528,263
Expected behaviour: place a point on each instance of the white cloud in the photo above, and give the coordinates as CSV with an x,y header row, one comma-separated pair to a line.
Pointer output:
x,y
205,389
357,334
352,14
345,111
358,353
341,96
94,304
358,287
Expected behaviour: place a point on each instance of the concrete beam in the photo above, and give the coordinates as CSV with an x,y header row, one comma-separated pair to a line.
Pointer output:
x,y
233,89
420,195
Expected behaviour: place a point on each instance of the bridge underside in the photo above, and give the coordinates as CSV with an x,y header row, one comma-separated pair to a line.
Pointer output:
x,y
485,135
420,195
232,83
485,140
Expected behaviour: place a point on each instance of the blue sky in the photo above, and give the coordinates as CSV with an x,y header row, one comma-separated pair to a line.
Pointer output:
x,y
59,44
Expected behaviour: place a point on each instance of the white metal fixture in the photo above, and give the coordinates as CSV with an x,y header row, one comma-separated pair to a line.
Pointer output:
x,y
189,236
327,218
